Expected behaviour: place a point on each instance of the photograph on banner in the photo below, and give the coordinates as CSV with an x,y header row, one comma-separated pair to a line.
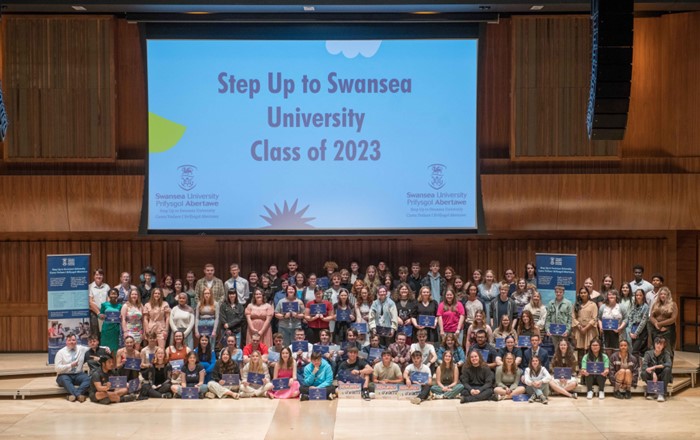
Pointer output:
x,y
556,270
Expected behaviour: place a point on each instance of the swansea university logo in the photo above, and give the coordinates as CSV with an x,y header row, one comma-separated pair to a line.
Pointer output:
x,y
437,175
187,177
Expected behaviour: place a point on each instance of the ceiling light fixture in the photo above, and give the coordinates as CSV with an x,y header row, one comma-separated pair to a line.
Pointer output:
x,y
79,8
536,7
309,8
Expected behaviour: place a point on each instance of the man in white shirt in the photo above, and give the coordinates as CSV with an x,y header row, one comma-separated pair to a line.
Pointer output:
x,y
239,283
97,293
69,367
657,280
427,350
638,282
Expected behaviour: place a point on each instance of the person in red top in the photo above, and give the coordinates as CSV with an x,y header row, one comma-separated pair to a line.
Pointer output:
x,y
318,321
255,345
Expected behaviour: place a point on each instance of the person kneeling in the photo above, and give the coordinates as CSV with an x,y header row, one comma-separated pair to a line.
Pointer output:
x,y
477,379
100,386
317,374
656,366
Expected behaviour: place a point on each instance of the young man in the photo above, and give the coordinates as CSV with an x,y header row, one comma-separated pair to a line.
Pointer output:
x,y
509,276
317,374
477,379
100,386
357,367
559,311
383,313
503,305
435,281
426,350
255,345
238,283
97,294
351,342
414,280
277,346
292,268
387,371
657,281
214,284
488,352
638,282
418,366
319,321
68,364
656,366
302,358
355,273
93,355
403,277
536,351
331,294
275,281
400,352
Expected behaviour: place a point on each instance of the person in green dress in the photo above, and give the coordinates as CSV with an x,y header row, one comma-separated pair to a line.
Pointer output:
x,y
110,330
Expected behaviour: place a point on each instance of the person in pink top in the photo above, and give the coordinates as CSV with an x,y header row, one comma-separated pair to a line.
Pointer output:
x,y
450,314
285,369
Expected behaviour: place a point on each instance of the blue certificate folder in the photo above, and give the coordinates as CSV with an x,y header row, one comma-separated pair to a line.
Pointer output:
x,y
317,309
655,387
343,315
231,379
117,382
562,373
595,367
374,353
317,394
290,307
610,324
132,364
300,346
256,378
521,398
280,384
500,342
426,320
384,331
323,349
633,328
205,330
133,385
273,356
408,330
177,365
190,393
524,341
361,327
557,329
113,317
348,377
418,377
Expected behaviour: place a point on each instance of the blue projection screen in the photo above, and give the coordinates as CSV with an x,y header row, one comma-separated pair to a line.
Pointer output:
x,y
312,136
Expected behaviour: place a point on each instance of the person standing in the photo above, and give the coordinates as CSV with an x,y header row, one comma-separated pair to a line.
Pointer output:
x,y
214,284
559,311
383,313
236,282
97,294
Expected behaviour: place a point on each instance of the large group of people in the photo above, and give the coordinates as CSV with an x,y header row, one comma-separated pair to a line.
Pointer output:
x,y
297,335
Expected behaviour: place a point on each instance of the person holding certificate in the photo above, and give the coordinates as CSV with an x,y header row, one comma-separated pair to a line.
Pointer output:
x,y
584,322
594,369
656,367
418,372
101,389
124,354
405,301
317,374
637,324
132,317
477,379
318,314
624,371
285,369
611,322
559,316
255,377
537,380
357,367
191,376
426,306
478,324
158,375
504,329
289,312
509,347
425,349
383,317
449,343
487,351
331,355
219,386
178,351
110,312
564,370
206,355
344,316
259,317
156,316
508,379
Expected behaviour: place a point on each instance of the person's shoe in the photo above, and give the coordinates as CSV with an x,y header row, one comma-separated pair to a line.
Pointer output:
x,y
628,395
81,398
168,395
589,395
544,399
416,401
210,395
495,398
463,400
127,398
501,398
617,395
71,398
333,396
532,399
601,395
236,396
303,397
661,398
372,395
437,396
650,397
574,395
365,395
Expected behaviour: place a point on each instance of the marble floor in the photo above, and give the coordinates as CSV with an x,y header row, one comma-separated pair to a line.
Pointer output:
x,y
56,418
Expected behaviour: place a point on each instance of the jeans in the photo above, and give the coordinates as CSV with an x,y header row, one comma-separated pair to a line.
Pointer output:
x,y
287,335
70,381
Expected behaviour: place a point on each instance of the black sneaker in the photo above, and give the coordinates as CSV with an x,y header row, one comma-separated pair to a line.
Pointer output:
x,y
365,395
303,397
463,400
127,398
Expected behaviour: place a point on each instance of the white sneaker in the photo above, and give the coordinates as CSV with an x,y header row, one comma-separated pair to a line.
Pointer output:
x,y
589,396
601,395
372,395
661,398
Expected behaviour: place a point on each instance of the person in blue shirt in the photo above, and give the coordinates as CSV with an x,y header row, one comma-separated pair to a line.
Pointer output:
x,y
536,350
206,356
317,374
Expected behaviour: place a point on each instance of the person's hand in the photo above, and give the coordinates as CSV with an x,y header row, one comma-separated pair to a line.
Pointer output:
x,y
245,383
226,326
662,329
604,373
549,334
74,364
565,335
222,382
475,392
355,372
444,388
585,373
108,385
633,336
101,316
656,379
509,391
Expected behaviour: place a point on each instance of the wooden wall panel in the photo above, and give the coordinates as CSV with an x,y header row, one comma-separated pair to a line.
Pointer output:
x,y
113,204
33,203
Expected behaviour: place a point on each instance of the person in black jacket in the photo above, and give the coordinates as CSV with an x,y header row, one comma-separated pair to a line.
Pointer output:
x,y
477,379
231,317
158,376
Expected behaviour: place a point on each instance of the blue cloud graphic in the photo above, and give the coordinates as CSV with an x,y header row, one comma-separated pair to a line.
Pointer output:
x,y
366,48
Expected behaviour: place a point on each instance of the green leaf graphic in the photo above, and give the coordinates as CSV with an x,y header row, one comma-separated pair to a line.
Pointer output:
x,y
163,134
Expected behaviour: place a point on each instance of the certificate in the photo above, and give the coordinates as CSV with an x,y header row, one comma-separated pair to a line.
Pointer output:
x,y
273,356
485,353
524,341
117,382
361,327
500,342
290,307
255,378
323,349
594,367
231,379
190,393
655,387
427,320
113,317
205,330
385,391
347,377
407,391
521,398
418,377
300,346
562,373
384,331
610,324
343,315
317,394
150,357
280,384
133,385
408,330
177,364
317,309
349,390
374,353
132,364
557,329
633,328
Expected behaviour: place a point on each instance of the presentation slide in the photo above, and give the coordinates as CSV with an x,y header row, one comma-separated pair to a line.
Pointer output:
x,y
300,136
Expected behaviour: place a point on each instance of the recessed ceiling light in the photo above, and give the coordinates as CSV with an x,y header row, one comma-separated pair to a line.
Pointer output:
x,y
536,7
309,8
79,8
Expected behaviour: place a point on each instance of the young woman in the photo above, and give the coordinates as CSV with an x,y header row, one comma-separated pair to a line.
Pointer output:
x,y
450,314
231,315
537,309
266,287
363,305
606,284
311,287
189,288
584,322
288,322
477,277
191,376
537,380
159,375
299,283
285,369
663,319
253,280
132,317
156,316
182,319
472,304
510,348
564,358
526,325
207,314
488,290
429,307
593,294
637,324
447,385
504,329
388,282
217,386
595,354
479,324
179,350
612,310
129,351
530,274
624,371
460,288
256,365
341,327
372,281
171,298
508,379
626,299
206,356
259,316
449,274
522,294
110,330
450,344
167,284
355,291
